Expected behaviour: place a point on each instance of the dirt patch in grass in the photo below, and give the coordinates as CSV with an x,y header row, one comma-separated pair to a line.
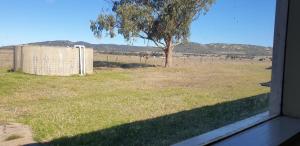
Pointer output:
x,y
15,134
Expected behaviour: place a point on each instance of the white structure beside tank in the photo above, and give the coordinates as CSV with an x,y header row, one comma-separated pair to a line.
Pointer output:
x,y
53,61
82,59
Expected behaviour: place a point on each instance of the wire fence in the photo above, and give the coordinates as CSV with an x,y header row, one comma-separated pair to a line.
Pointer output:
x,y
110,60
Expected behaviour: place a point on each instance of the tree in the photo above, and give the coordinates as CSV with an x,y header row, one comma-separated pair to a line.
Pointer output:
x,y
164,22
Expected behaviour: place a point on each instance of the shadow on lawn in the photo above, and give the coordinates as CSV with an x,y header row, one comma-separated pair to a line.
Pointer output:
x,y
120,65
170,129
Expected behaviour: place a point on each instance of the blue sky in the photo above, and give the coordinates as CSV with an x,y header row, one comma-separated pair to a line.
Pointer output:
x,y
229,21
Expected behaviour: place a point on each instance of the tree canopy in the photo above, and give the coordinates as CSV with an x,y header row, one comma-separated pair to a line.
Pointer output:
x,y
164,22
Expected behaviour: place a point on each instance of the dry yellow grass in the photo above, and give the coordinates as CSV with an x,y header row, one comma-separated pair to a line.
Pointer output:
x,y
138,106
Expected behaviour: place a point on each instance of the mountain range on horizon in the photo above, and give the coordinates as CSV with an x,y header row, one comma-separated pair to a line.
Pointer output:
x,y
190,48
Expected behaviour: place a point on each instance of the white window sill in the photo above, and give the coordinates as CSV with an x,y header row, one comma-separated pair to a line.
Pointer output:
x,y
273,132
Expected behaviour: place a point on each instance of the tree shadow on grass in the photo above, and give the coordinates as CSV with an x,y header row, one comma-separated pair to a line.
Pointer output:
x,y
120,65
170,129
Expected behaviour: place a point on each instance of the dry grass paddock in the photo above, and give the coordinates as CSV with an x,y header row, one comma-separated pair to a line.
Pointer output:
x,y
130,102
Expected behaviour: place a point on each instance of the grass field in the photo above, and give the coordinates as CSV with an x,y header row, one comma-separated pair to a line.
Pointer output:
x,y
120,105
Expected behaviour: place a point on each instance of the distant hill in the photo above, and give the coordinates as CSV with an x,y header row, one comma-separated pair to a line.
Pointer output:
x,y
221,48
190,48
99,47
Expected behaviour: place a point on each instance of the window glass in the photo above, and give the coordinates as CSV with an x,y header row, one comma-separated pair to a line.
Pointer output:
x,y
117,91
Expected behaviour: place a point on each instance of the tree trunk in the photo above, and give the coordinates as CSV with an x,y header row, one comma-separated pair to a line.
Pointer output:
x,y
169,55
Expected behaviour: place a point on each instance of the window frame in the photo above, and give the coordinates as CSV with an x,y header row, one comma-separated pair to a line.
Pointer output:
x,y
278,63
277,79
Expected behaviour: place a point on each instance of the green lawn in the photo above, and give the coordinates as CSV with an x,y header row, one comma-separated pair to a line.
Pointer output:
x,y
144,106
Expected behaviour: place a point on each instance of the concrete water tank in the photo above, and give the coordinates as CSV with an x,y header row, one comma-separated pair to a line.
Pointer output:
x,y
53,61
6,58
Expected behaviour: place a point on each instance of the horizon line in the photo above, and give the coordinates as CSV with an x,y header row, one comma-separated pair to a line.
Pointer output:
x,y
135,45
